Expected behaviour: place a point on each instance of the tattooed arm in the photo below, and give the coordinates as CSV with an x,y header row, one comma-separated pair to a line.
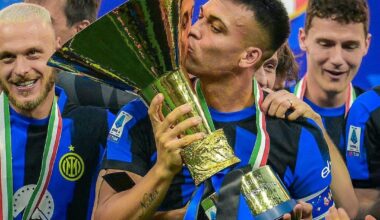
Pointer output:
x,y
142,200
139,202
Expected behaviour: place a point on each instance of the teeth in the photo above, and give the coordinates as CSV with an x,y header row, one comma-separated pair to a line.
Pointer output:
x,y
26,83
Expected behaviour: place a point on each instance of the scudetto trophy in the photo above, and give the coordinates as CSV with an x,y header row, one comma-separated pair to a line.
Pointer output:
x,y
137,47
265,194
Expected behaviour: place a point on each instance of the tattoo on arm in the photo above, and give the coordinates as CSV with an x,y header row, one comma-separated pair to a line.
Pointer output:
x,y
146,203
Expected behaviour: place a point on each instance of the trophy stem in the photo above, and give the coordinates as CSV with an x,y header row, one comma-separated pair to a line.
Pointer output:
x,y
177,91
205,157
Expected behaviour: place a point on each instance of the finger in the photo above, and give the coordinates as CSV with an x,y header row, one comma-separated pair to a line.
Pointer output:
x,y
181,127
173,116
280,104
267,90
185,140
267,101
154,110
297,210
343,214
282,109
298,112
307,210
369,217
273,100
332,214
287,216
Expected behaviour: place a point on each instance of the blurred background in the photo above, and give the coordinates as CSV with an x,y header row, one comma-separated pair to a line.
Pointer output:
x,y
369,73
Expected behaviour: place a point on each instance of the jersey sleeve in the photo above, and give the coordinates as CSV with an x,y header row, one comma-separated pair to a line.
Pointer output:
x,y
362,140
129,144
311,178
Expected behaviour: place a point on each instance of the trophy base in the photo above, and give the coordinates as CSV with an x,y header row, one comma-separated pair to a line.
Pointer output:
x,y
278,211
208,156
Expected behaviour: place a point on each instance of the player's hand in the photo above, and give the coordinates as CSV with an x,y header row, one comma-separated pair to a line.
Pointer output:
x,y
168,134
276,103
302,210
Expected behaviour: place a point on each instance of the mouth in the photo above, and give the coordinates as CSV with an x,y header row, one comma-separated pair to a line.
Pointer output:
x,y
336,74
24,85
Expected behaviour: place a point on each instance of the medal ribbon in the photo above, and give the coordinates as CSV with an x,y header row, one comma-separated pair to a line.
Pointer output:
x,y
48,158
260,152
300,88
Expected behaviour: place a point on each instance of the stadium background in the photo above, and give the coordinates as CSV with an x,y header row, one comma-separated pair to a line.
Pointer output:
x,y
369,73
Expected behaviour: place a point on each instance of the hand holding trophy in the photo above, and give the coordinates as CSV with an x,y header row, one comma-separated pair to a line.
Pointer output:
x,y
137,46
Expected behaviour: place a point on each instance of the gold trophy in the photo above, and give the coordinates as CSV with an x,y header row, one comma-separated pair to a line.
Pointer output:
x,y
136,47
265,194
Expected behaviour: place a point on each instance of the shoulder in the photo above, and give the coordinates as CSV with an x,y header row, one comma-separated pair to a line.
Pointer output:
x,y
135,112
366,103
132,121
290,139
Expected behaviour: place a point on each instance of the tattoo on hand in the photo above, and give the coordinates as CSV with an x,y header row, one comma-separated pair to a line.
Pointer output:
x,y
146,202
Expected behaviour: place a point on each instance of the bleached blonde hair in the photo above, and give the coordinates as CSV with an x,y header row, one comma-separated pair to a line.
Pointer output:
x,y
22,12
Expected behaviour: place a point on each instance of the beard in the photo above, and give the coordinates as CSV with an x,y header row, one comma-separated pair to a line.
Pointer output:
x,y
33,104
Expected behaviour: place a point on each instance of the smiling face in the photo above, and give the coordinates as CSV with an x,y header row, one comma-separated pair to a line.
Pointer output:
x,y
25,48
334,53
218,41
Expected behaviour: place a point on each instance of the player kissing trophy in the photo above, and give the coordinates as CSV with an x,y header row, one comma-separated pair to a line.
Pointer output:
x,y
137,47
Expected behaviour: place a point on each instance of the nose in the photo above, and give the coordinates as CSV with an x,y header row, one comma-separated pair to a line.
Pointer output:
x,y
336,57
21,67
195,30
261,78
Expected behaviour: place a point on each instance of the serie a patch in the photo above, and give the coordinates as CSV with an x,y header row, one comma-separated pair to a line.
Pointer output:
x,y
118,126
353,143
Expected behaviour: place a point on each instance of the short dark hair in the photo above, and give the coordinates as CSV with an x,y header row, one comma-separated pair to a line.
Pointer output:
x,y
342,11
78,10
273,20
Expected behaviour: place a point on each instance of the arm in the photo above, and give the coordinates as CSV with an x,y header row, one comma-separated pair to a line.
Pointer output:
x,y
369,202
142,200
276,104
341,214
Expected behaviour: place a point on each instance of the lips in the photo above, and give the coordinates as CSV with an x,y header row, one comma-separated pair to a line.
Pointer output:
x,y
336,74
25,85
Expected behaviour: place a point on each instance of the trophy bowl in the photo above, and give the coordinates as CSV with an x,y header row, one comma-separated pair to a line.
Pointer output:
x,y
137,47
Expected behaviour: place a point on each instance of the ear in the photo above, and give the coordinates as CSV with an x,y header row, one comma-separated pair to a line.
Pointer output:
x,y
367,42
250,57
58,43
80,25
302,38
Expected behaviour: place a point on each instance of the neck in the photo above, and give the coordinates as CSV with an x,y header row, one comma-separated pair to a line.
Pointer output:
x,y
41,111
229,94
324,99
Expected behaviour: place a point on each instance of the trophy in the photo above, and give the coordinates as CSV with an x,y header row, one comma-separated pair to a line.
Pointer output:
x,y
265,194
137,47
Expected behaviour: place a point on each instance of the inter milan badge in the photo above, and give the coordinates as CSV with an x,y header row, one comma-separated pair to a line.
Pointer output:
x,y
353,145
21,198
71,165
118,126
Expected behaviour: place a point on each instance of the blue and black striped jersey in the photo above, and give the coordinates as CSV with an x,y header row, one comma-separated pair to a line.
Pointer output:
x,y
362,145
298,152
70,192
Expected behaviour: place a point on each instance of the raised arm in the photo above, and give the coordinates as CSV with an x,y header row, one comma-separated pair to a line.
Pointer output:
x,y
142,200
277,104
